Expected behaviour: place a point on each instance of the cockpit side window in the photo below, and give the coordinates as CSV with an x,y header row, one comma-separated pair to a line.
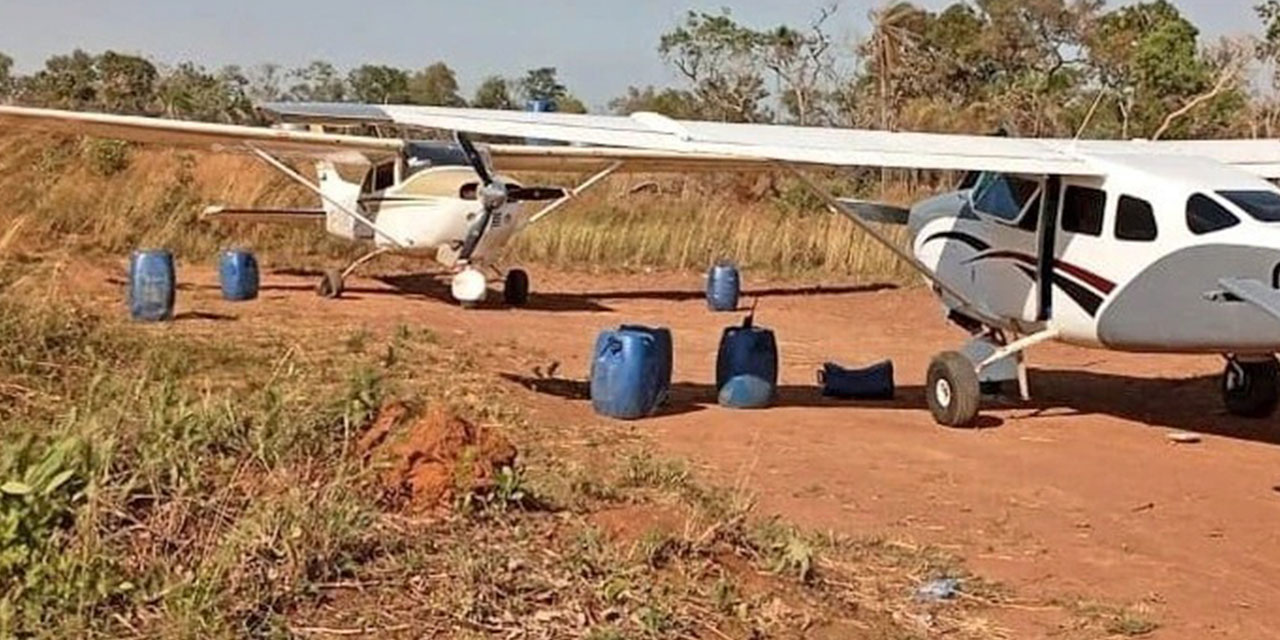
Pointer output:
x,y
1004,197
1083,209
1264,206
1206,216
1135,220
381,177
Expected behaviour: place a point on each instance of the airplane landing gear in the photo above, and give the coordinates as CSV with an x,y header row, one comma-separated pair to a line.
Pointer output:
x,y
516,290
954,383
330,285
1251,388
469,287
953,390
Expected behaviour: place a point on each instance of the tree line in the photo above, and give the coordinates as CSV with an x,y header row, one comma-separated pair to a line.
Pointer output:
x,y
1027,67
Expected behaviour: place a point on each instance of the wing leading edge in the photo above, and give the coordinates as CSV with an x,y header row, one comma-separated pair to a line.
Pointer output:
x,y
769,143
217,137
802,145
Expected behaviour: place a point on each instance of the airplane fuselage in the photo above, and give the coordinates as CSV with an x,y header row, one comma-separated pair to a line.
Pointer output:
x,y
1139,257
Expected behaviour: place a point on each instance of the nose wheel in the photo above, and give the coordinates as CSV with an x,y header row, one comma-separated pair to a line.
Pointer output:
x,y
1251,388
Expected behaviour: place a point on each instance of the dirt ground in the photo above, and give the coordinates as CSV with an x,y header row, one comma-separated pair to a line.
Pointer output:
x,y
1075,496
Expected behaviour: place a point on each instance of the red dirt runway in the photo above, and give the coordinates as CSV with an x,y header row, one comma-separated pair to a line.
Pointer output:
x,y
1077,495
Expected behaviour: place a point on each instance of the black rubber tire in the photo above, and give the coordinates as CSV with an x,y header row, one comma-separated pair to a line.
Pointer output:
x,y
330,285
515,292
952,390
1251,389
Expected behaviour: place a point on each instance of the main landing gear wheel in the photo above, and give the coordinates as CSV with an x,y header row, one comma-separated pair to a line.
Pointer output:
x,y
330,285
516,290
1250,388
953,390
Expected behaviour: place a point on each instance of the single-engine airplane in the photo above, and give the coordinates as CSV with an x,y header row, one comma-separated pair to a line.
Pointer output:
x,y
424,197
1140,246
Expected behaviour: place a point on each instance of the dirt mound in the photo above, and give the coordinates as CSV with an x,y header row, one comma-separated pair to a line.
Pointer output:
x,y
434,458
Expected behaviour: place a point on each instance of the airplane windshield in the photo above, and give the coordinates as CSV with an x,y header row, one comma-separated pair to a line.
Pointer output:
x,y
1004,197
1264,206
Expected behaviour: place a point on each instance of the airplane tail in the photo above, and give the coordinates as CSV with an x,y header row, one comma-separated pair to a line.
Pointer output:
x,y
345,192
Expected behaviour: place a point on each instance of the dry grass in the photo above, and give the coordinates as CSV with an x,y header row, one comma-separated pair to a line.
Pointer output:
x,y
177,484
97,197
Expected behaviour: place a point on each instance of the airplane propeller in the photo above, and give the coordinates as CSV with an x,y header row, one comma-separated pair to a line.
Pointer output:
x,y
494,194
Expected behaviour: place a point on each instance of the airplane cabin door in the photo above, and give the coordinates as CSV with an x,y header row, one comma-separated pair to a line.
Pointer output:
x,y
1081,253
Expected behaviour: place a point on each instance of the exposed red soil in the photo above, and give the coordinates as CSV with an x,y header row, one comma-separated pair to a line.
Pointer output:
x,y
1075,494
427,462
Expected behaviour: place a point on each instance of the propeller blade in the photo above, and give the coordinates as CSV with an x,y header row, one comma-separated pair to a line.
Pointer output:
x,y
535,194
474,157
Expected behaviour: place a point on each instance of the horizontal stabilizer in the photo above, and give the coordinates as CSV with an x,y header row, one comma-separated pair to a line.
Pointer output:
x,y
1254,292
877,211
263,216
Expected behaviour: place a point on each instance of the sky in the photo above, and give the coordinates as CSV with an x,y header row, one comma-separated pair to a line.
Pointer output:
x,y
600,47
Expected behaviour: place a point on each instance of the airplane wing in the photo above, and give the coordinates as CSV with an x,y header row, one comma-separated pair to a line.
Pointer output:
x,y
203,135
727,142
513,157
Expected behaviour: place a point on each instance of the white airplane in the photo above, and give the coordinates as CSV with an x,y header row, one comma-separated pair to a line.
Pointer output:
x,y
432,198
1161,247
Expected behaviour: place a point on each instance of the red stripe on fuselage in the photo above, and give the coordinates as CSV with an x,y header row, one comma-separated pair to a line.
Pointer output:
x,y
1092,279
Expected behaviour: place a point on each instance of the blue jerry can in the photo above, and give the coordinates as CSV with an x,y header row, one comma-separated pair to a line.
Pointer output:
x,y
238,273
747,367
626,374
152,281
724,285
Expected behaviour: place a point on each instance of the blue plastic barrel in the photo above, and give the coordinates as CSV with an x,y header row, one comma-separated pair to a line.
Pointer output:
x,y
747,367
666,356
540,106
152,281
723,286
238,272
626,374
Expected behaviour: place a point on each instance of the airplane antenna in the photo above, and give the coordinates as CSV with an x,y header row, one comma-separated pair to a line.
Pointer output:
x,y
750,321
1089,116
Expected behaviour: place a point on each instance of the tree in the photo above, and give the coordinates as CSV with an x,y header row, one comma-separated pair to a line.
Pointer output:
x,y
436,85
379,84
542,84
1147,56
1268,50
802,66
66,82
895,32
672,103
126,84
569,103
494,93
317,82
189,92
6,76
718,58
265,82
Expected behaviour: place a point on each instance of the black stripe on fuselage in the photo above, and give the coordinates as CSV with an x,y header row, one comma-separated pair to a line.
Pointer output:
x,y
1088,300
976,243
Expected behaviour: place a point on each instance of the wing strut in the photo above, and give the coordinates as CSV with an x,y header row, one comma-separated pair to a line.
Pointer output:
x,y
577,191
298,178
1046,243
836,206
